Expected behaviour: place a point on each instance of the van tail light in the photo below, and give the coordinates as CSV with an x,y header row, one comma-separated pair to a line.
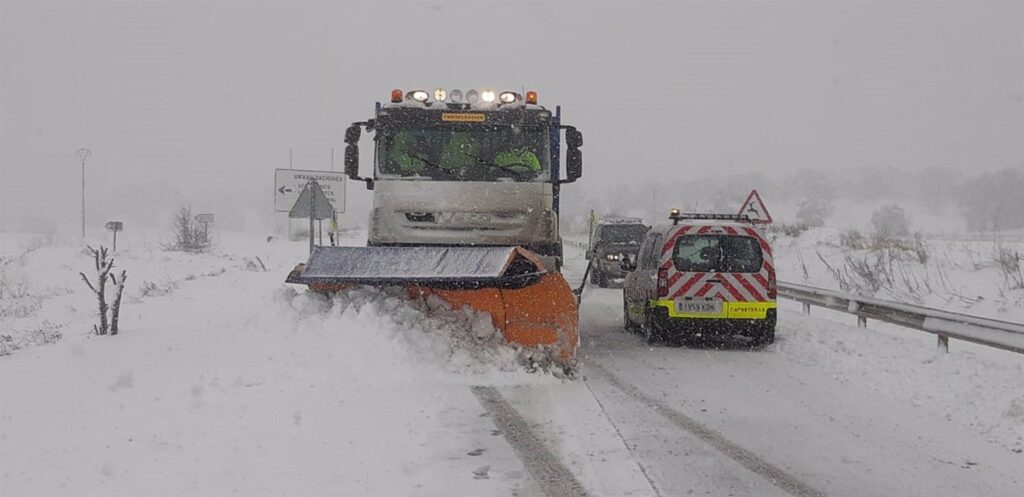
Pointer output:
x,y
772,291
663,282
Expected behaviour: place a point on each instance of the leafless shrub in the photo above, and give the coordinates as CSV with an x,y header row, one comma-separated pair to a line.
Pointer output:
x,y
11,288
188,235
1008,262
152,289
791,230
255,264
47,333
853,239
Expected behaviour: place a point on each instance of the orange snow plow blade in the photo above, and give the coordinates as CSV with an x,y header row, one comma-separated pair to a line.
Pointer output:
x,y
529,304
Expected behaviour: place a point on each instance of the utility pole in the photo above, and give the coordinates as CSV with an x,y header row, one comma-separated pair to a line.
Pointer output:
x,y
83,154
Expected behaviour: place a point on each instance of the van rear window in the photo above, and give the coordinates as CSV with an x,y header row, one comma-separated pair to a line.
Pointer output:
x,y
717,253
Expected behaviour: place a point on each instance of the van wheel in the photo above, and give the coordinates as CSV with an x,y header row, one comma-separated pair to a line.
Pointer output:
x,y
652,334
627,324
765,337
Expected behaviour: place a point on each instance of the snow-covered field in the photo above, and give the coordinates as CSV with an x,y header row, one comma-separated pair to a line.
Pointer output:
x,y
981,274
224,380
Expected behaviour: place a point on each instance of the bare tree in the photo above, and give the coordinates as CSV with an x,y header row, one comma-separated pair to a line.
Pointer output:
x,y
115,311
103,266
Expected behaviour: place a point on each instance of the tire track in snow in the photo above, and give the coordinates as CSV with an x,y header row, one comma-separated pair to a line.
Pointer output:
x,y
777,476
553,477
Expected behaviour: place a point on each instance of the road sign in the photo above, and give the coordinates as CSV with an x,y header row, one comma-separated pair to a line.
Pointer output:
x,y
754,208
115,226
289,183
301,209
204,218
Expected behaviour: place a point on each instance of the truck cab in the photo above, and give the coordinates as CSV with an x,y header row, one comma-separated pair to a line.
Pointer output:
x,y
479,168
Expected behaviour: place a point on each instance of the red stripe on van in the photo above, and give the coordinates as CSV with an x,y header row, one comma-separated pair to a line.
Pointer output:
x,y
688,285
704,289
758,296
731,289
671,242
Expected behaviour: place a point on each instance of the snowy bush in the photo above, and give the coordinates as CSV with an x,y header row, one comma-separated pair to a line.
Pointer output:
x,y
992,202
890,222
813,211
189,236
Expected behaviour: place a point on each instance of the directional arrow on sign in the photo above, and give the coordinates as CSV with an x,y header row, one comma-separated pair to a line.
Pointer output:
x,y
289,183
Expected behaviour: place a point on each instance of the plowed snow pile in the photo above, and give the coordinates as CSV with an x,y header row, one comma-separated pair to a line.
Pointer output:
x,y
226,381
401,338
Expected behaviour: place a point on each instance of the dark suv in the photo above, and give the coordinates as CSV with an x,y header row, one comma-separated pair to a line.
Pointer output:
x,y
610,241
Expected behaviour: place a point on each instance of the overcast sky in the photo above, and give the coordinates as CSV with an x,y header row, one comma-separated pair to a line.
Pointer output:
x,y
200,101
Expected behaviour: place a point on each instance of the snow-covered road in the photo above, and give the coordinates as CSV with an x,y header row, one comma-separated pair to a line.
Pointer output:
x,y
753,422
231,383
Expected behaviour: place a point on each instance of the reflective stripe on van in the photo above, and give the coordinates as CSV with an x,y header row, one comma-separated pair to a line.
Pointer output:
x,y
726,286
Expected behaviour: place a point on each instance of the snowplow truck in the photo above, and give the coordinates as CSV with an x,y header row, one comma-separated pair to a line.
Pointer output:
x,y
465,207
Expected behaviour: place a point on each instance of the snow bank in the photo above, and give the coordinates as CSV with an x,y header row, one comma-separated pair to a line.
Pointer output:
x,y
227,381
976,387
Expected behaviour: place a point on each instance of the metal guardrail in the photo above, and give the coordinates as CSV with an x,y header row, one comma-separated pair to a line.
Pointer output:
x,y
1003,335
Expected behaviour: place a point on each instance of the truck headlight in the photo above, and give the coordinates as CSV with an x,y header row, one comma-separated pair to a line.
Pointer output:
x,y
612,257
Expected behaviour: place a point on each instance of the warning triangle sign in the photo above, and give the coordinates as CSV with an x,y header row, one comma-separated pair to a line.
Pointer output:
x,y
754,209
324,209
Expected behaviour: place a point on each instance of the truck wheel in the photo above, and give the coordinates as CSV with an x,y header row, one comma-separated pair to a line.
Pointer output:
x,y
602,280
594,277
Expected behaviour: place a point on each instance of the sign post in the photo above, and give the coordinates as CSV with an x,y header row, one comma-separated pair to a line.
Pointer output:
x,y
755,209
205,220
115,226
312,203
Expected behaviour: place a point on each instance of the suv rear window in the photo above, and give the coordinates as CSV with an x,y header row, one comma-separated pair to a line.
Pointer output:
x,y
718,253
622,233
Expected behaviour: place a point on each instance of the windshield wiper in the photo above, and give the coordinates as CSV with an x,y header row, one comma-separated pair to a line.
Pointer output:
x,y
430,165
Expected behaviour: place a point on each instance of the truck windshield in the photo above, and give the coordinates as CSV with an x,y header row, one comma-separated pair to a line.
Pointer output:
x,y
479,153
622,233
719,253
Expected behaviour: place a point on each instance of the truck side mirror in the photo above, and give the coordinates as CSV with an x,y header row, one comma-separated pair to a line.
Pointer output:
x,y
573,164
573,156
573,138
352,161
352,134
352,154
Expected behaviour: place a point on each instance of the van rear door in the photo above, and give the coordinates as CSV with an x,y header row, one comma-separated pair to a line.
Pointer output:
x,y
719,270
